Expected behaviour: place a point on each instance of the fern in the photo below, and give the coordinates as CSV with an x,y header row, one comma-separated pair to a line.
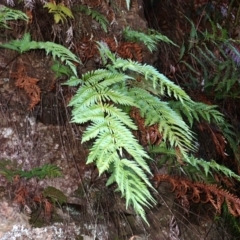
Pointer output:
x,y
150,40
8,14
100,101
96,16
218,73
25,44
61,70
115,149
9,170
171,125
110,128
195,111
210,166
47,170
160,82
59,11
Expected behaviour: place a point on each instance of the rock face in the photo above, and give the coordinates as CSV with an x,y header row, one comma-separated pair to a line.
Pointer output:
x,y
11,216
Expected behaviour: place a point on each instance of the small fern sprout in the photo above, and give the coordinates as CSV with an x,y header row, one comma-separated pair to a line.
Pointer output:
x,y
59,11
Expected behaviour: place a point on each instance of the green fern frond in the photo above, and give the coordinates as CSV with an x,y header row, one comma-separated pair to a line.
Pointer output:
x,y
196,110
8,14
99,100
61,70
64,54
59,11
92,113
9,171
216,61
159,81
94,89
210,166
171,125
110,128
21,45
47,170
150,40
25,44
96,16
126,175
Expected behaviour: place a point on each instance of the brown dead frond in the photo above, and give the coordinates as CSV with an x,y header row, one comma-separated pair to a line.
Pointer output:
x,y
21,195
125,49
87,49
29,84
200,192
45,204
48,208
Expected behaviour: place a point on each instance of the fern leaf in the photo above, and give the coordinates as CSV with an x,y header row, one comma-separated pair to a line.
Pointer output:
x,y
211,165
171,125
57,50
82,115
94,130
196,110
104,142
105,159
159,37
150,40
21,45
131,186
119,115
158,80
58,17
8,14
73,81
123,138
60,12
95,15
48,170
65,10
64,54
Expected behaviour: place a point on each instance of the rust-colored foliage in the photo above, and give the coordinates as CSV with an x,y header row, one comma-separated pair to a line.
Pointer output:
x,y
125,49
29,84
196,192
87,49
48,208
146,134
25,198
21,195
47,205
30,15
